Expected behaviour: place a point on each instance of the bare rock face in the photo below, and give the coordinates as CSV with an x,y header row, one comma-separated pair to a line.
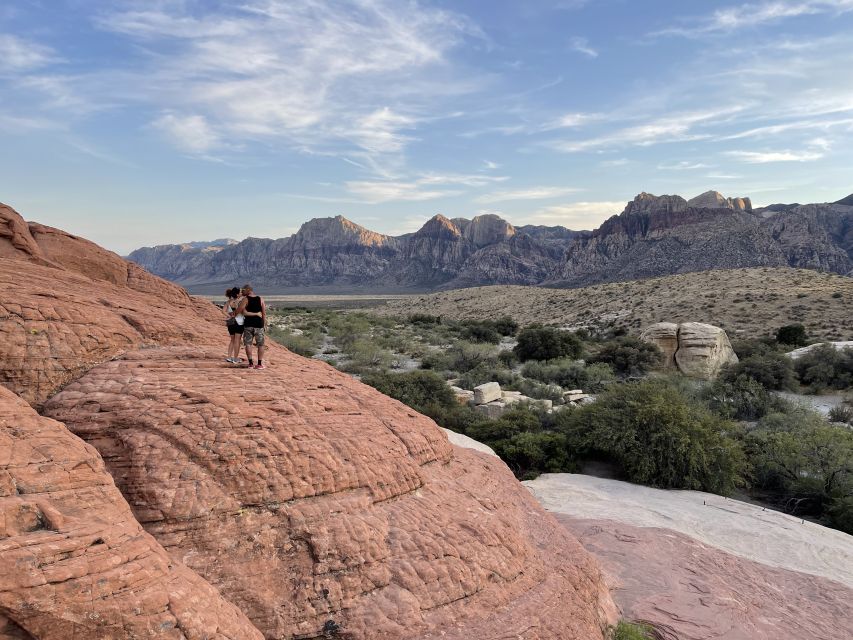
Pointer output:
x,y
74,563
698,350
648,202
306,497
312,503
716,200
488,229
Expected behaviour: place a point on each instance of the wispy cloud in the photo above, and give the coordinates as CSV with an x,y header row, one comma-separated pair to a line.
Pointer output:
x,y
581,45
684,165
190,133
531,193
387,191
765,157
18,55
750,15
347,78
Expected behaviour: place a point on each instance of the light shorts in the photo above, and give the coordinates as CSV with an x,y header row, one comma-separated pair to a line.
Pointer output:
x,y
256,333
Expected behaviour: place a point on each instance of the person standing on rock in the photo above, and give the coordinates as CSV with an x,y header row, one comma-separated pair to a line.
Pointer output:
x,y
234,323
255,311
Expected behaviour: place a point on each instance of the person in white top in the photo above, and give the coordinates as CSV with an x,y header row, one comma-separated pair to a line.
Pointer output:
x,y
234,321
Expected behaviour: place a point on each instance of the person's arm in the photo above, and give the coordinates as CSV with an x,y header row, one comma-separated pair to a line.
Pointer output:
x,y
264,311
241,308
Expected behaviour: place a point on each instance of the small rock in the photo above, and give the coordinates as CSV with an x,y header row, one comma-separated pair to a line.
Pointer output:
x,y
487,393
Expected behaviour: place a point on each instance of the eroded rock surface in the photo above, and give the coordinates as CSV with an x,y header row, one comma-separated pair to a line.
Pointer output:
x,y
308,500
698,350
74,563
307,497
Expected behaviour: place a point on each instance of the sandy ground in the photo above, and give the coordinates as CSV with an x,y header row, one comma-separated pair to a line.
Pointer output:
x,y
822,404
743,529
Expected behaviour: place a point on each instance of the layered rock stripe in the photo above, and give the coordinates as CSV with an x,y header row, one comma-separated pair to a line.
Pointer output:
x,y
301,496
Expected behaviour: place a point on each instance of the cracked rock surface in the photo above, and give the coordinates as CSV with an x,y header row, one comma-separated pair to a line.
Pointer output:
x,y
291,501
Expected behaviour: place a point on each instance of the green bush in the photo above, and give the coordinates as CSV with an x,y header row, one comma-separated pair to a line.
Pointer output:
x,y
744,348
629,356
423,391
487,372
632,631
505,326
424,318
547,343
793,335
841,413
771,370
658,436
301,344
570,374
529,454
825,367
480,332
743,398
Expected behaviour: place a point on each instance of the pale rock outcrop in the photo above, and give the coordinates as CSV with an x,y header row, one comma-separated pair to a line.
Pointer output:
x,y
644,202
487,392
716,200
698,350
488,229
799,353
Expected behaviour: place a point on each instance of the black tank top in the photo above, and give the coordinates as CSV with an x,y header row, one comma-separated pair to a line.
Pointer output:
x,y
253,304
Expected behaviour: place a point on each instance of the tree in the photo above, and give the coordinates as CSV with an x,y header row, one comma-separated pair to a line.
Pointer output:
x,y
771,370
537,342
658,437
824,367
792,334
629,356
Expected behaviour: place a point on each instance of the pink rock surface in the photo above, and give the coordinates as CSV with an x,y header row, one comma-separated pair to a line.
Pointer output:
x,y
692,591
303,496
74,563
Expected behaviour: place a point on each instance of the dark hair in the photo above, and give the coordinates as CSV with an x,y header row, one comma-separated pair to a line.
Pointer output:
x,y
232,293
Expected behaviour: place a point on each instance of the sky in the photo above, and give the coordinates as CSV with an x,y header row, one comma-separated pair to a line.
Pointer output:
x,y
143,122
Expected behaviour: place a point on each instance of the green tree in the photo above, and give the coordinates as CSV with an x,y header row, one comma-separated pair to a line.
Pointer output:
x,y
771,370
792,334
628,356
537,342
825,367
658,437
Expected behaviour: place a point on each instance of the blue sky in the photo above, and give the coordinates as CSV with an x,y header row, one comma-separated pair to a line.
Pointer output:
x,y
139,122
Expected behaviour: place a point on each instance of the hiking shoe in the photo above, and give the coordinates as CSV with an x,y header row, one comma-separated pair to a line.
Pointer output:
x,y
260,366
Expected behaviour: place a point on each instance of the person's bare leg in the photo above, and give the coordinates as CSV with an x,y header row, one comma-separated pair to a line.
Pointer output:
x,y
261,354
249,352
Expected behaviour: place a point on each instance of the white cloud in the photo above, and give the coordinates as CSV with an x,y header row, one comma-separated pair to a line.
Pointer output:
x,y
19,55
190,133
756,14
346,78
684,165
375,192
491,166
532,193
581,45
575,215
764,157
618,162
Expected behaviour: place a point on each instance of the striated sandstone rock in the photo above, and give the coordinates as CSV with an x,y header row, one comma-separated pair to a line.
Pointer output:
x,y
487,392
665,336
703,350
698,350
716,200
306,497
74,563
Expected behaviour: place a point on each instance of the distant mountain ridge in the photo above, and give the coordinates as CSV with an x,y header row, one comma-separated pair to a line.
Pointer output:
x,y
653,236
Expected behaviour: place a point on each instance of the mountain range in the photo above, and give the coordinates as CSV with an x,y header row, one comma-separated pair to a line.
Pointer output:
x,y
653,236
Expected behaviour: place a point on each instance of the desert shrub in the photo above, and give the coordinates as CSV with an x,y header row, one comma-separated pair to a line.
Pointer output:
x,y
745,348
508,358
841,413
480,332
570,374
658,436
632,631
437,361
629,356
529,454
770,369
424,319
743,398
301,344
505,326
793,335
547,343
423,391
839,514
536,389
825,367
367,354
348,328
806,461
486,372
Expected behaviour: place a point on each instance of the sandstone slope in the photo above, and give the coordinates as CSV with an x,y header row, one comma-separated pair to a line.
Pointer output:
x,y
308,500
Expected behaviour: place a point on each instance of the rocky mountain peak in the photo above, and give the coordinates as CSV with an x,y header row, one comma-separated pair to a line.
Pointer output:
x,y
645,202
336,232
848,201
439,227
716,200
488,229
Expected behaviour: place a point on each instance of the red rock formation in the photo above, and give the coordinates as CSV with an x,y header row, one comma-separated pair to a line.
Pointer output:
x,y
309,500
693,591
74,563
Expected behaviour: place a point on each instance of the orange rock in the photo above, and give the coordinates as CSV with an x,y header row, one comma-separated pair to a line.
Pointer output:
x,y
74,563
309,500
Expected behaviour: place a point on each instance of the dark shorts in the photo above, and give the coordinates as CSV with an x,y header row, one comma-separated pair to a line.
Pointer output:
x,y
235,329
